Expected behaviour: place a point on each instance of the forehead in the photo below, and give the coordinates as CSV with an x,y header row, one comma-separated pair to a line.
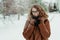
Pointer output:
x,y
34,9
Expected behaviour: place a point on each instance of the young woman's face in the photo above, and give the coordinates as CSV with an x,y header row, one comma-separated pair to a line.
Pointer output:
x,y
35,12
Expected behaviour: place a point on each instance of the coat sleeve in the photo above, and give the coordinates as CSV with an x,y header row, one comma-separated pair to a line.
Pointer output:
x,y
28,30
45,29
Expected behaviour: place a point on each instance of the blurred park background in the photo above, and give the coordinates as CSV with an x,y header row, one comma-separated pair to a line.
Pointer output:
x,y
20,7
13,15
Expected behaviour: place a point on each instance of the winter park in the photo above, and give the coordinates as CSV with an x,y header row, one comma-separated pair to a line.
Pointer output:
x,y
13,16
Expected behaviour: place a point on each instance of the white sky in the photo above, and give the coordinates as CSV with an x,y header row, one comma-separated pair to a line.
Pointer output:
x,y
49,1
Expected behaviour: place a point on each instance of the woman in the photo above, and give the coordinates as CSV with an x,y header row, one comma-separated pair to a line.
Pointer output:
x,y
37,26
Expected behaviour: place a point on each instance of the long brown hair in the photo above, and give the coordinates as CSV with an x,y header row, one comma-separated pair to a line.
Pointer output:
x,y
41,11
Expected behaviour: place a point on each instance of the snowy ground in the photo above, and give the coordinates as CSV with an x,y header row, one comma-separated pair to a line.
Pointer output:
x,y
11,28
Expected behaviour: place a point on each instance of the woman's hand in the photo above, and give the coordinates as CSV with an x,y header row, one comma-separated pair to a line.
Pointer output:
x,y
42,19
32,21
